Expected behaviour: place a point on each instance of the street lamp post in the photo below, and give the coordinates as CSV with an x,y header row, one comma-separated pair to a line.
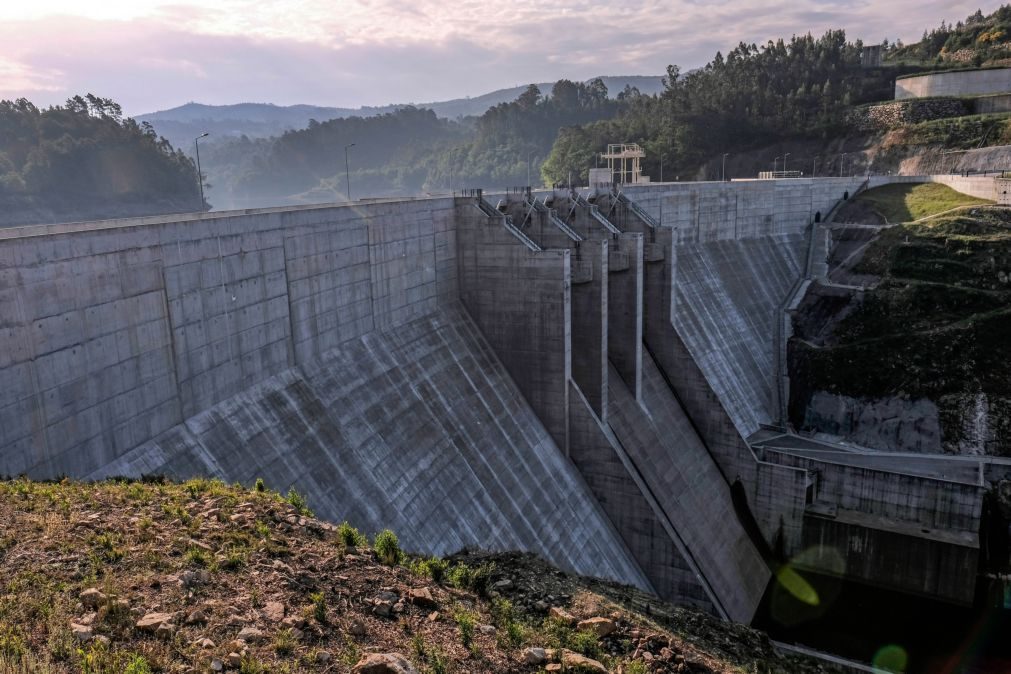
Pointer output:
x,y
661,167
775,163
528,167
784,161
814,168
723,167
347,168
200,175
842,158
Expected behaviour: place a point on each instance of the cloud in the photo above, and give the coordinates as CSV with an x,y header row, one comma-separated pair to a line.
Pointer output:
x,y
372,52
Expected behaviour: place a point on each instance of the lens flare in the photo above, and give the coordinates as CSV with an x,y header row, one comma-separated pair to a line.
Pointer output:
x,y
891,659
795,584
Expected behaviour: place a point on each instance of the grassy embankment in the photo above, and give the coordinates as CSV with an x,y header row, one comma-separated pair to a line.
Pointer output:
x,y
938,325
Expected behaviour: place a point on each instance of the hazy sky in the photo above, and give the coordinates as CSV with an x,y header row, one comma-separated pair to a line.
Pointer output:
x,y
151,54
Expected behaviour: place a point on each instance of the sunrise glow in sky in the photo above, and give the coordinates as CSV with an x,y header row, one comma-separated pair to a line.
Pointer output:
x,y
153,54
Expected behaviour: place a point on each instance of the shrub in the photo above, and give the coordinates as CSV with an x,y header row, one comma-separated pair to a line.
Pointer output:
x,y
465,621
433,568
284,642
319,607
350,536
299,503
259,486
387,547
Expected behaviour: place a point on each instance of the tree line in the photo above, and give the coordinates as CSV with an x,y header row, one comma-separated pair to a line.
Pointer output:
x,y
85,158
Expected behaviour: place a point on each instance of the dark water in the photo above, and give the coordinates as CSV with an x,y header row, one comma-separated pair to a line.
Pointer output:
x,y
892,630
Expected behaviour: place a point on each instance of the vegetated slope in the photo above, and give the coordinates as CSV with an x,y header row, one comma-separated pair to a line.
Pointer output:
x,y
904,203
83,160
920,361
143,577
978,40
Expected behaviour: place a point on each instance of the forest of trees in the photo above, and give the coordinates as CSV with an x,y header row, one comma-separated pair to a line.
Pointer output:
x,y
84,160
751,97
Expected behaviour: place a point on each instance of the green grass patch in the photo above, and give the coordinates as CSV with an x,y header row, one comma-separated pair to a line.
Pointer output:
x,y
905,203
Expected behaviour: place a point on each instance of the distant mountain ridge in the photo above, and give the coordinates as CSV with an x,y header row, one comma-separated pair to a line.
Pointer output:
x,y
261,120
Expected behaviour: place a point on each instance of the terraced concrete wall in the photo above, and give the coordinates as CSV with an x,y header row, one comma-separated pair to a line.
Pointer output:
x,y
741,209
111,333
956,83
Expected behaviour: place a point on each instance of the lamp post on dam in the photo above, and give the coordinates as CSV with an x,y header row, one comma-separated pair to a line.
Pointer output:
x,y
200,175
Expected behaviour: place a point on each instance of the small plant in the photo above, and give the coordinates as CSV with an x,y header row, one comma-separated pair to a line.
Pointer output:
x,y
319,607
460,577
261,530
636,667
465,621
433,568
387,547
137,665
107,546
259,487
251,665
235,559
197,556
350,536
586,643
418,648
437,662
298,502
284,642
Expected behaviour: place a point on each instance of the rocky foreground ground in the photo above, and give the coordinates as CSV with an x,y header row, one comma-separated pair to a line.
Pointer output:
x,y
141,577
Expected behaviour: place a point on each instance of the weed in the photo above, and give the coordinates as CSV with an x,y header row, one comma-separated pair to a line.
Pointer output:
x,y
259,487
387,547
284,642
319,607
251,665
585,642
636,667
197,556
107,547
437,662
298,502
460,577
418,648
433,568
465,621
350,536
137,665
235,559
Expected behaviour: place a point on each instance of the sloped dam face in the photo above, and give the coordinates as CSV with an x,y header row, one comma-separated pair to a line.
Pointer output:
x,y
579,383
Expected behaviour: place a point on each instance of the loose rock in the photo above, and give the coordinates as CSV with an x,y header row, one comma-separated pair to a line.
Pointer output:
x,y
384,663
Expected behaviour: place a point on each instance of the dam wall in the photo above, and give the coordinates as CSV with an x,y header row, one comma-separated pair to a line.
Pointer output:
x,y
741,209
111,333
323,348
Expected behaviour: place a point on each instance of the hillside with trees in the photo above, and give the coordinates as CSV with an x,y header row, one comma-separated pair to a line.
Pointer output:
x,y
84,160
409,151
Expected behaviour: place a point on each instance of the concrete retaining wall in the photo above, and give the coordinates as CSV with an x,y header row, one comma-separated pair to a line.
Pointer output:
x,y
955,83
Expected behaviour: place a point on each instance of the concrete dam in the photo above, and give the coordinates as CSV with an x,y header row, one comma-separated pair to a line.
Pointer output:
x,y
592,375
